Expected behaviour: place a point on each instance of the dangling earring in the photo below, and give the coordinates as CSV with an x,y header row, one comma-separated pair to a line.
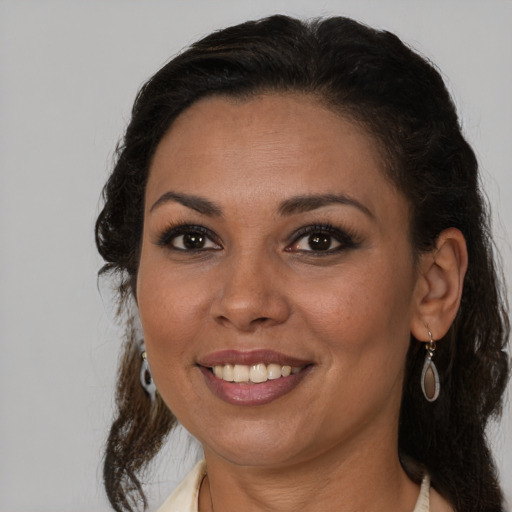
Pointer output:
x,y
430,384
146,378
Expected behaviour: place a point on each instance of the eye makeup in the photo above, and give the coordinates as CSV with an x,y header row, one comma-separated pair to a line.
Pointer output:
x,y
322,239
318,239
188,237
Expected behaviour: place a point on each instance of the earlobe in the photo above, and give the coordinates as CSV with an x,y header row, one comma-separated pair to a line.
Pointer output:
x,y
439,286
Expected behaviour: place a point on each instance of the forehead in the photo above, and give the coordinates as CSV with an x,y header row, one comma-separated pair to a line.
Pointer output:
x,y
276,144
293,119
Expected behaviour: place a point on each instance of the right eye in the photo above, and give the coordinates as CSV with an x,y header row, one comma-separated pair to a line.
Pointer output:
x,y
189,238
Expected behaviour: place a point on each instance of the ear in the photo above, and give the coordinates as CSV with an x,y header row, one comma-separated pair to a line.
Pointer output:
x,y
439,286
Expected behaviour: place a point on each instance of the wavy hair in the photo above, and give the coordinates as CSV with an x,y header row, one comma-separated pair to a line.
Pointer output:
x,y
371,77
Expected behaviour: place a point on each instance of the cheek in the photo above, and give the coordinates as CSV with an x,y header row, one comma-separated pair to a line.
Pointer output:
x,y
171,314
365,307
171,309
363,323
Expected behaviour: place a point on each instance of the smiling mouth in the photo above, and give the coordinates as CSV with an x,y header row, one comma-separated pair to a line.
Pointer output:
x,y
255,374
254,377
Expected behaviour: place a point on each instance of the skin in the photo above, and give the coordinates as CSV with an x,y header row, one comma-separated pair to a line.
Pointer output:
x,y
330,443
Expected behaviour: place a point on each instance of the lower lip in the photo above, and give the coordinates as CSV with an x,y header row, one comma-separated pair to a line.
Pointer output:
x,y
247,393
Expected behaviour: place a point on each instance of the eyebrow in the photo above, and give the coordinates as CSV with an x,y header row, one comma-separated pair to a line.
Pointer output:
x,y
291,206
197,203
306,203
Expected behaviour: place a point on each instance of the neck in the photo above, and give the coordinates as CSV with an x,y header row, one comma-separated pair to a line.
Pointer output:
x,y
364,478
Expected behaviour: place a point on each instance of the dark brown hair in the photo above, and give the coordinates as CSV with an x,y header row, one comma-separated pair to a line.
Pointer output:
x,y
400,98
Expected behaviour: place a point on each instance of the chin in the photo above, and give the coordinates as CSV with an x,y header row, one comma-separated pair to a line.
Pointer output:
x,y
262,445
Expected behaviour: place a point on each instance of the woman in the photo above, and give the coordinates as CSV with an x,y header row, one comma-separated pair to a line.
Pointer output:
x,y
297,215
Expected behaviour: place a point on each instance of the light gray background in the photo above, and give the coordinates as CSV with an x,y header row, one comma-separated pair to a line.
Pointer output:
x,y
69,71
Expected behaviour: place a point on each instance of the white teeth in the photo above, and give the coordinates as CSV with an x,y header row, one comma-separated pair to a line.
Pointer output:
x,y
241,373
273,371
256,373
227,372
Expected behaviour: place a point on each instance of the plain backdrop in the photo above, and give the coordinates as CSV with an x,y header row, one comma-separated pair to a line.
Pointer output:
x,y
69,71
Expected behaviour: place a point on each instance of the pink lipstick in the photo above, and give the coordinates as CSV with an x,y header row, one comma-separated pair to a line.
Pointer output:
x,y
252,378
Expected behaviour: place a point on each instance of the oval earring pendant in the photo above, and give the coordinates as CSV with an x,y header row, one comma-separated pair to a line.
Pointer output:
x,y
146,378
430,380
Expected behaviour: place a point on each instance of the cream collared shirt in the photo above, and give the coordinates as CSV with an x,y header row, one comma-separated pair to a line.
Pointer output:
x,y
185,496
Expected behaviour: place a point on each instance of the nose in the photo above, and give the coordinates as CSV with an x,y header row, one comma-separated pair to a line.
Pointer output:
x,y
252,294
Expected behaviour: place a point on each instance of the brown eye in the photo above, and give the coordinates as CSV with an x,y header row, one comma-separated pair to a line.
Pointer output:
x,y
320,242
317,242
192,242
188,238
321,239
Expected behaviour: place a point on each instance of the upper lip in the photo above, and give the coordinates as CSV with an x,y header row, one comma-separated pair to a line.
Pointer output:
x,y
250,358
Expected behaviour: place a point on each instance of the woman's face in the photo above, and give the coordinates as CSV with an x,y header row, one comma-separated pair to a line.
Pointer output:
x,y
273,243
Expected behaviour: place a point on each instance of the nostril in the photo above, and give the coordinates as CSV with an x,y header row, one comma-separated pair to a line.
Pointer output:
x,y
246,308
261,320
245,324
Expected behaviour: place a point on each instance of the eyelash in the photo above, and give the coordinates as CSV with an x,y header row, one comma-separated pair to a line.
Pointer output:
x,y
345,239
173,232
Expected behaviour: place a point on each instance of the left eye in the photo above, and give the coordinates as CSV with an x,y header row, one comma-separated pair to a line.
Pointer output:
x,y
192,241
321,239
188,238
317,242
